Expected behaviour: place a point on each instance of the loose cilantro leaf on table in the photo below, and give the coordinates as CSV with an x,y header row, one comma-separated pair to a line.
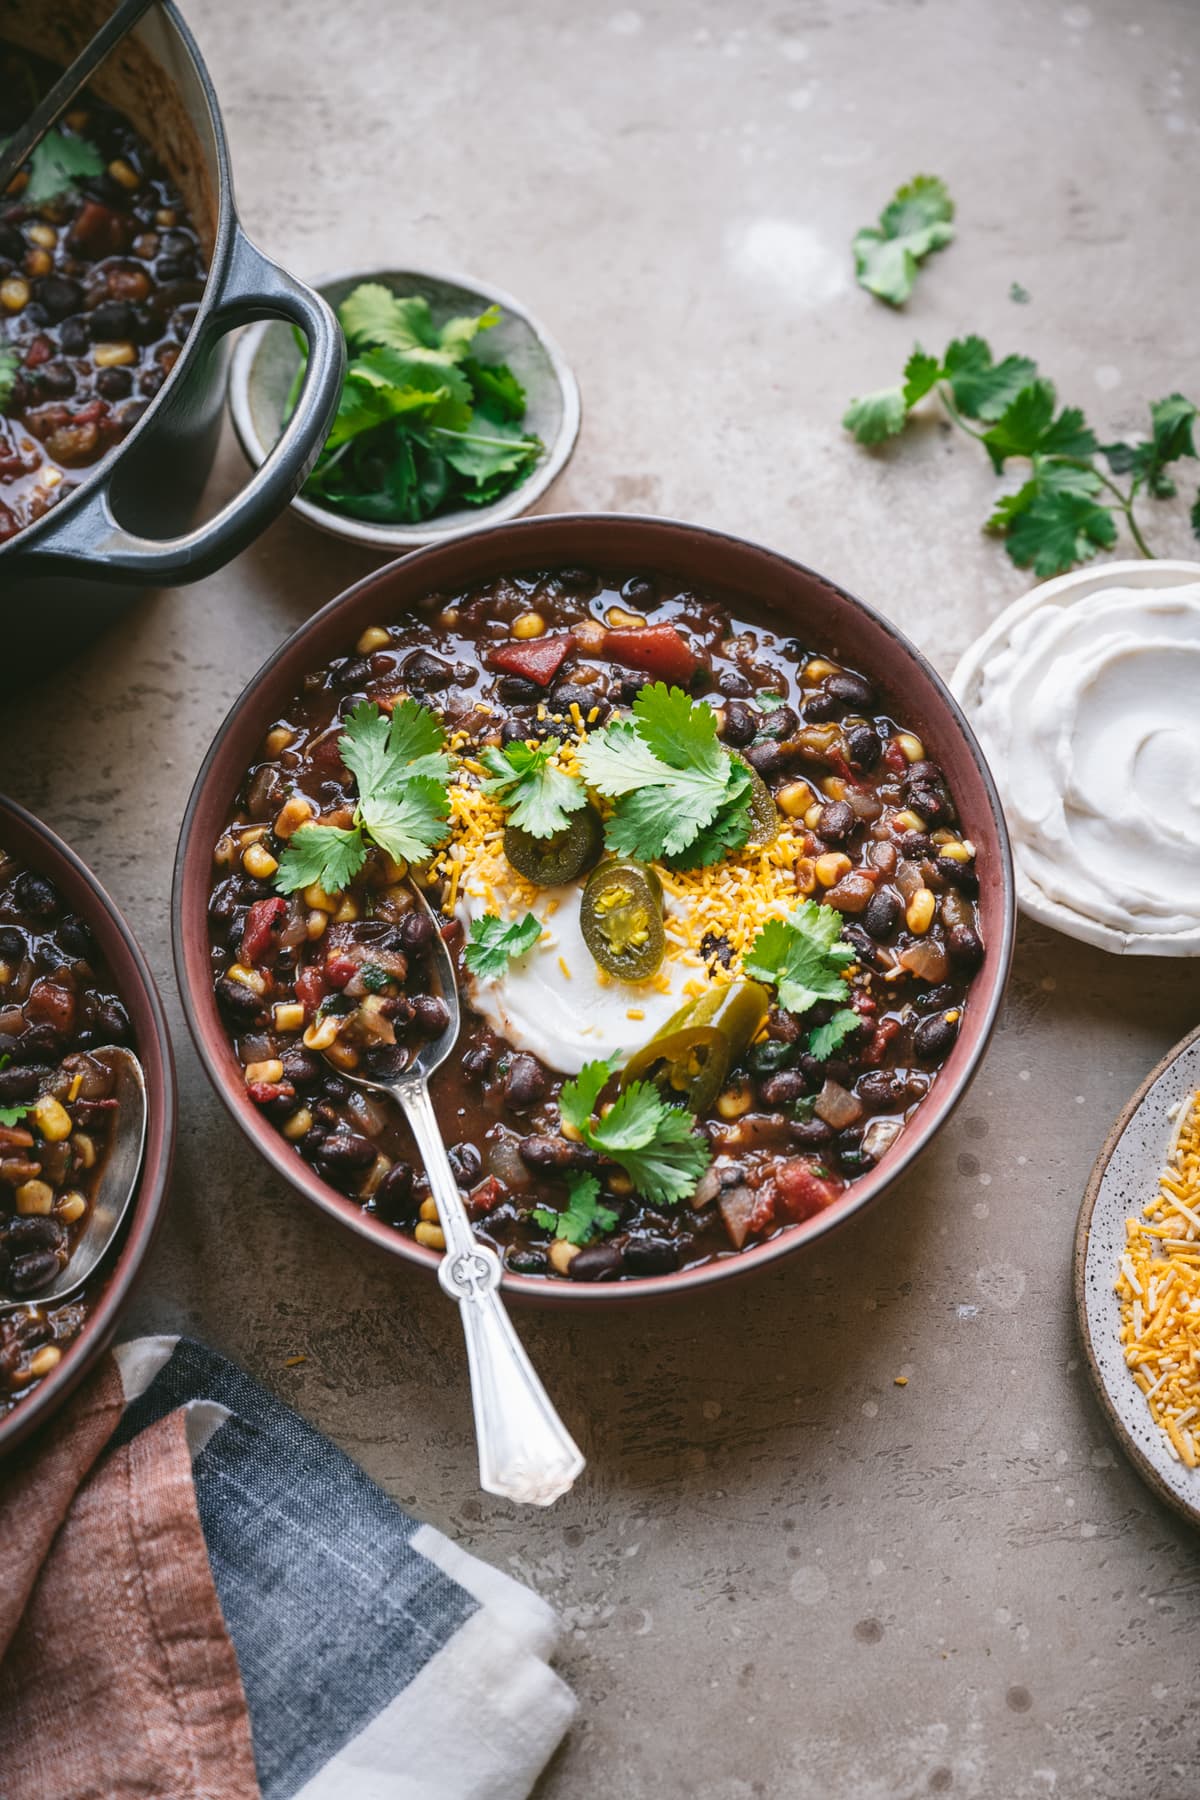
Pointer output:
x,y
915,222
422,424
493,941
12,1115
583,1218
401,767
538,795
1067,508
803,956
679,794
657,1145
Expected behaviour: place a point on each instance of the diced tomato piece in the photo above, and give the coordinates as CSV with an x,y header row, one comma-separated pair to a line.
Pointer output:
x,y
487,1194
50,1003
263,1092
310,988
536,659
660,650
802,1188
884,1032
763,1213
260,926
40,351
338,970
98,231
895,758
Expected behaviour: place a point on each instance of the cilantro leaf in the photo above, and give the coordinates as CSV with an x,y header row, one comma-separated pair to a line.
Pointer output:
x,y
922,373
657,1145
12,1115
1194,515
583,1218
57,165
727,831
493,941
577,1099
380,752
538,795
984,389
457,335
1172,426
499,396
1058,529
1028,427
876,416
823,1040
915,222
324,855
481,457
372,314
803,956
1049,477
410,822
9,369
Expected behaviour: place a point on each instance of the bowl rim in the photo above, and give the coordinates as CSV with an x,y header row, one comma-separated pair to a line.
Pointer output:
x,y
1144,572
410,537
44,850
189,903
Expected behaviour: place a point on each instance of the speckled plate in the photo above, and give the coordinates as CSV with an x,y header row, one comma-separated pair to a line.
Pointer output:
x,y
1124,1179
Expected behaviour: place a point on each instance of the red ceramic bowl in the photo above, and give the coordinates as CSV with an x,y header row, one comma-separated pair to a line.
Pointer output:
x,y
38,847
824,615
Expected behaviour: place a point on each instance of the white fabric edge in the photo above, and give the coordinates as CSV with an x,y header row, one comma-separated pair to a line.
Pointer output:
x,y
479,1722
140,1360
202,1420
528,1618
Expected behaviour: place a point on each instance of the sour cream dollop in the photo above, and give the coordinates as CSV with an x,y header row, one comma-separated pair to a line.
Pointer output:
x,y
1088,708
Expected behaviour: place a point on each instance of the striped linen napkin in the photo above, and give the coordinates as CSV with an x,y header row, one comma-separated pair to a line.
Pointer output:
x,y
202,1598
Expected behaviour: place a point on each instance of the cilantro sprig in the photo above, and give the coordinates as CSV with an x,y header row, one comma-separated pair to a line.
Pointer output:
x,y
679,795
10,367
583,1217
57,165
804,957
915,221
1067,507
493,940
402,770
12,1115
538,795
656,1144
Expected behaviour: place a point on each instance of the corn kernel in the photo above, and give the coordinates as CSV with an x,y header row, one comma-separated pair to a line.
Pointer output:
x,y
448,619
621,620
812,817
432,1236
832,866
528,625
833,787
316,897
34,1197
224,852
278,739
14,294
347,912
908,820
37,263
49,476
818,669
911,747
342,1056
165,218
734,1101
322,1032
43,1360
806,875
70,1208
269,1071
299,1125
428,1210
292,815
114,356
315,924
567,1130
956,852
125,174
44,236
619,1184
259,862
589,635
5,973
249,978
373,638
250,834
84,1149
920,910
289,1015
52,1119
561,1255
794,798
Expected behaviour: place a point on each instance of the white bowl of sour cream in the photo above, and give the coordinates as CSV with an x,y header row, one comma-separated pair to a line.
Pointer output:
x,y
1085,695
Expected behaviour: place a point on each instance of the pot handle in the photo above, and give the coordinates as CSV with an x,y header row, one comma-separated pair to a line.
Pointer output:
x,y
252,287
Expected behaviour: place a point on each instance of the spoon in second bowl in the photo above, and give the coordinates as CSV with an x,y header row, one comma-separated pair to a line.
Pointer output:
x,y
525,1451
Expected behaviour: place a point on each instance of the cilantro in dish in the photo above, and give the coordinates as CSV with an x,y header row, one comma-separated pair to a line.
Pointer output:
x,y
804,957
9,369
493,941
656,1144
1067,508
422,426
402,770
57,165
582,1218
12,1115
538,796
915,221
680,797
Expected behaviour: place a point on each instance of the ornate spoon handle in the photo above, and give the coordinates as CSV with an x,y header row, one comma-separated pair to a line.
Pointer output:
x,y
525,1451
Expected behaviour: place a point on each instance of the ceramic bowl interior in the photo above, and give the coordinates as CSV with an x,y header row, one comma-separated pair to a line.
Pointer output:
x,y
29,840
266,359
824,615
1124,1179
966,682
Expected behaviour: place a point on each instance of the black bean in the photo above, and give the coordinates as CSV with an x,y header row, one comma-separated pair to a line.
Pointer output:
x,y
810,1132
516,731
934,807
112,1021
915,845
28,1273
716,947
595,1262
767,759
394,1195
525,1261
832,1069
73,337
114,384
40,1043
237,998
577,581
347,1150
35,895
21,1081
568,693
76,937
50,955
416,931
60,296
780,1090
33,1233
852,690
783,1025
384,1062
838,820
778,724
12,244
880,1088
965,946
514,690
934,1038
12,944
821,708
959,875
113,321
741,723
175,268
551,1154
734,685
526,1082
430,1014
882,913
649,1256
864,746
477,1062
640,590
849,1154
421,670
57,379
466,1163
301,1067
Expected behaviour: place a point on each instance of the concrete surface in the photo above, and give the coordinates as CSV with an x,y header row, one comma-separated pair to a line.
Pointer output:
x,y
783,1575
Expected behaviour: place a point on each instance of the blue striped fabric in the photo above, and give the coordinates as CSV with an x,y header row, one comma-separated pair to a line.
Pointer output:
x,y
331,1609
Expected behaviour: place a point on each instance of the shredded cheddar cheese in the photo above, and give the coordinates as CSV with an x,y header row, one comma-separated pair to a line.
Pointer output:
x,y
1158,1284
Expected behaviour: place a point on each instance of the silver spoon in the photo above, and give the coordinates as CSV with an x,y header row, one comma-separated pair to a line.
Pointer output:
x,y
114,1190
525,1451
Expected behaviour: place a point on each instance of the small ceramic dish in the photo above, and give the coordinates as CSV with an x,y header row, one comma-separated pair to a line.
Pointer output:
x,y
266,359
1124,1179
966,685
